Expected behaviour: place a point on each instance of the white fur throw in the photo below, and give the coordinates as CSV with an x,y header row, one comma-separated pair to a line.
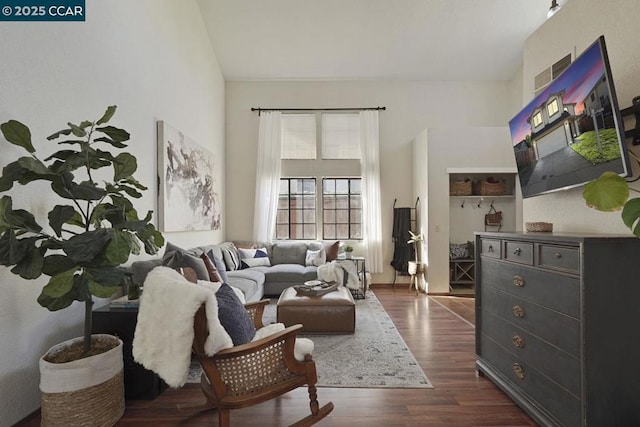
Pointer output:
x,y
334,271
164,332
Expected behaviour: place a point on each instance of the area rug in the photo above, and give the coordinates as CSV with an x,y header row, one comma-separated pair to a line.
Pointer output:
x,y
375,356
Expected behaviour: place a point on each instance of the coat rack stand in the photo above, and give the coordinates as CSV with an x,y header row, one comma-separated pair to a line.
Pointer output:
x,y
404,219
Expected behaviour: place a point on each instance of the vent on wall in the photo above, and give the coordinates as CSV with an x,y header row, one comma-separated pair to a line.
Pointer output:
x,y
549,74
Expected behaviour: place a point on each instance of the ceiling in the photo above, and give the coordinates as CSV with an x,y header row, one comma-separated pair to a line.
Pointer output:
x,y
371,39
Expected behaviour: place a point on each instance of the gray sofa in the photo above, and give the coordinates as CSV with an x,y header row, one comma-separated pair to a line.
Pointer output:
x,y
287,265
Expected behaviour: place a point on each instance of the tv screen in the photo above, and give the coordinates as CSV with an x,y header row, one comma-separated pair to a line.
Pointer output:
x,y
571,132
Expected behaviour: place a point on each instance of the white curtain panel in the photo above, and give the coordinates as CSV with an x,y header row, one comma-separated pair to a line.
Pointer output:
x,y
267,176
370,170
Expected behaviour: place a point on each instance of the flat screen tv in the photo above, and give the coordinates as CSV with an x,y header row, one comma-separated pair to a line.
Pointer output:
x,y
572,131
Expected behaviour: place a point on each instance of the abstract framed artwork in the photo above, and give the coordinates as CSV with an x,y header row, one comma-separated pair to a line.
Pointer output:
x,y
188,199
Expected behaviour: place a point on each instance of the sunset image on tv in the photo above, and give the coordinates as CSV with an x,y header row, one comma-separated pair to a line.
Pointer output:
x,y
569,134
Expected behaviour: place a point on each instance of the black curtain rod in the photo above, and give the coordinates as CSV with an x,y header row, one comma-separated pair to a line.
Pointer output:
x,y
259,110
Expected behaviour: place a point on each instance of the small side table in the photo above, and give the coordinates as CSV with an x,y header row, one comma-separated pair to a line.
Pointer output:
x,y
361,268
139,383
416,270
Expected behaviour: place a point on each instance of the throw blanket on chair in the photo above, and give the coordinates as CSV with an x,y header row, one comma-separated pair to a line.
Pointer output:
x,y
335,272
164,332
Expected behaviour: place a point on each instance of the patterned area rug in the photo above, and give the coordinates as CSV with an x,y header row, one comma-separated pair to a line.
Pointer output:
x,y
375,356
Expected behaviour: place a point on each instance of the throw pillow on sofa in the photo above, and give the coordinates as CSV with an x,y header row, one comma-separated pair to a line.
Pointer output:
x,y
220,266
253,258
316,258
230,256
211,269
178,258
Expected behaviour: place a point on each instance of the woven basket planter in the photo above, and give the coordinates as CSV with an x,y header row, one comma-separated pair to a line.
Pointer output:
x,y
460,188
82,392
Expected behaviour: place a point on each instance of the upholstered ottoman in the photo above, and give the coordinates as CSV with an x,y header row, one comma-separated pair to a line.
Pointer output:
x,y
333,312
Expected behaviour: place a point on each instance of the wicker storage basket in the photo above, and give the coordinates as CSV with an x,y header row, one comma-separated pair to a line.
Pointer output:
x,y
486,188
83,392
539,226
460,188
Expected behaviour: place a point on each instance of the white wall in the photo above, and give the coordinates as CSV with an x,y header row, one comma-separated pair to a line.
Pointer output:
x,y
411,107
154,60
573,29
466,148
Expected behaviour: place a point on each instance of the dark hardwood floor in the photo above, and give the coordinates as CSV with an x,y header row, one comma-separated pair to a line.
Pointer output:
x,y
439,331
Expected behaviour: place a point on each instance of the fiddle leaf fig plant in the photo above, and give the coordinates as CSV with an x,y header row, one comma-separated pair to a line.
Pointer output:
x,y
610,192
94,228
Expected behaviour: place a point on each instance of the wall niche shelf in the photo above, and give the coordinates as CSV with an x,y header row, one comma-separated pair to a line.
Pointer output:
x,y
467,216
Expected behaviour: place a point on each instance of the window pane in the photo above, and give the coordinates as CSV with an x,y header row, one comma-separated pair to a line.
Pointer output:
x,y
329,186
282,232
356,216
283,217
297,208
355,186
342,186
309,202
298,136
342,231
329,231
342,212
342,216
297,231
341,136
309,217
309,231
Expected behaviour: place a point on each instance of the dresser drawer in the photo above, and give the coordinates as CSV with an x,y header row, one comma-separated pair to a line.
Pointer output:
x,y
555,328
560,258
565,369
520,252
555,291
490,248
559,403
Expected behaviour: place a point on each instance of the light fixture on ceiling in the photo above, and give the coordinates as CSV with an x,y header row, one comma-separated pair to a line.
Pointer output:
x,y
553,9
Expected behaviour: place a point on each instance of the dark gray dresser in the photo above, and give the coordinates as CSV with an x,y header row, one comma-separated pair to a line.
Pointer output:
x,y
557,319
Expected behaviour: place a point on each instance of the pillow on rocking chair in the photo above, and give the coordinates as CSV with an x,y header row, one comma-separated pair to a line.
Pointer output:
x,y
233,316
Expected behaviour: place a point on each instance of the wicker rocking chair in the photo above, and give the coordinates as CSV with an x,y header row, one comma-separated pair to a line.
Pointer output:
x,y
255,372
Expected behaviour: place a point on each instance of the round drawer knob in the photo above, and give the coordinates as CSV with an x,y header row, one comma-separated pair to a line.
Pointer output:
x,y
517,311
518,281
558,255
517,251
518,370
518,341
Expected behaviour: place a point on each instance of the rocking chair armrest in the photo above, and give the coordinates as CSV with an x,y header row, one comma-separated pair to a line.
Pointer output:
x,y
287,334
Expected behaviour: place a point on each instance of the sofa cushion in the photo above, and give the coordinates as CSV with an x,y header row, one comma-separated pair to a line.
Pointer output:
x,y
249,281
289,253
288,273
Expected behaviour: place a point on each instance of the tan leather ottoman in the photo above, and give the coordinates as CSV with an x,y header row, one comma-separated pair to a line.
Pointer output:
x,y
333,313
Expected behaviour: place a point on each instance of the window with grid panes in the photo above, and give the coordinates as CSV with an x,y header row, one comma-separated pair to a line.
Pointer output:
x,y
296,219
341,208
